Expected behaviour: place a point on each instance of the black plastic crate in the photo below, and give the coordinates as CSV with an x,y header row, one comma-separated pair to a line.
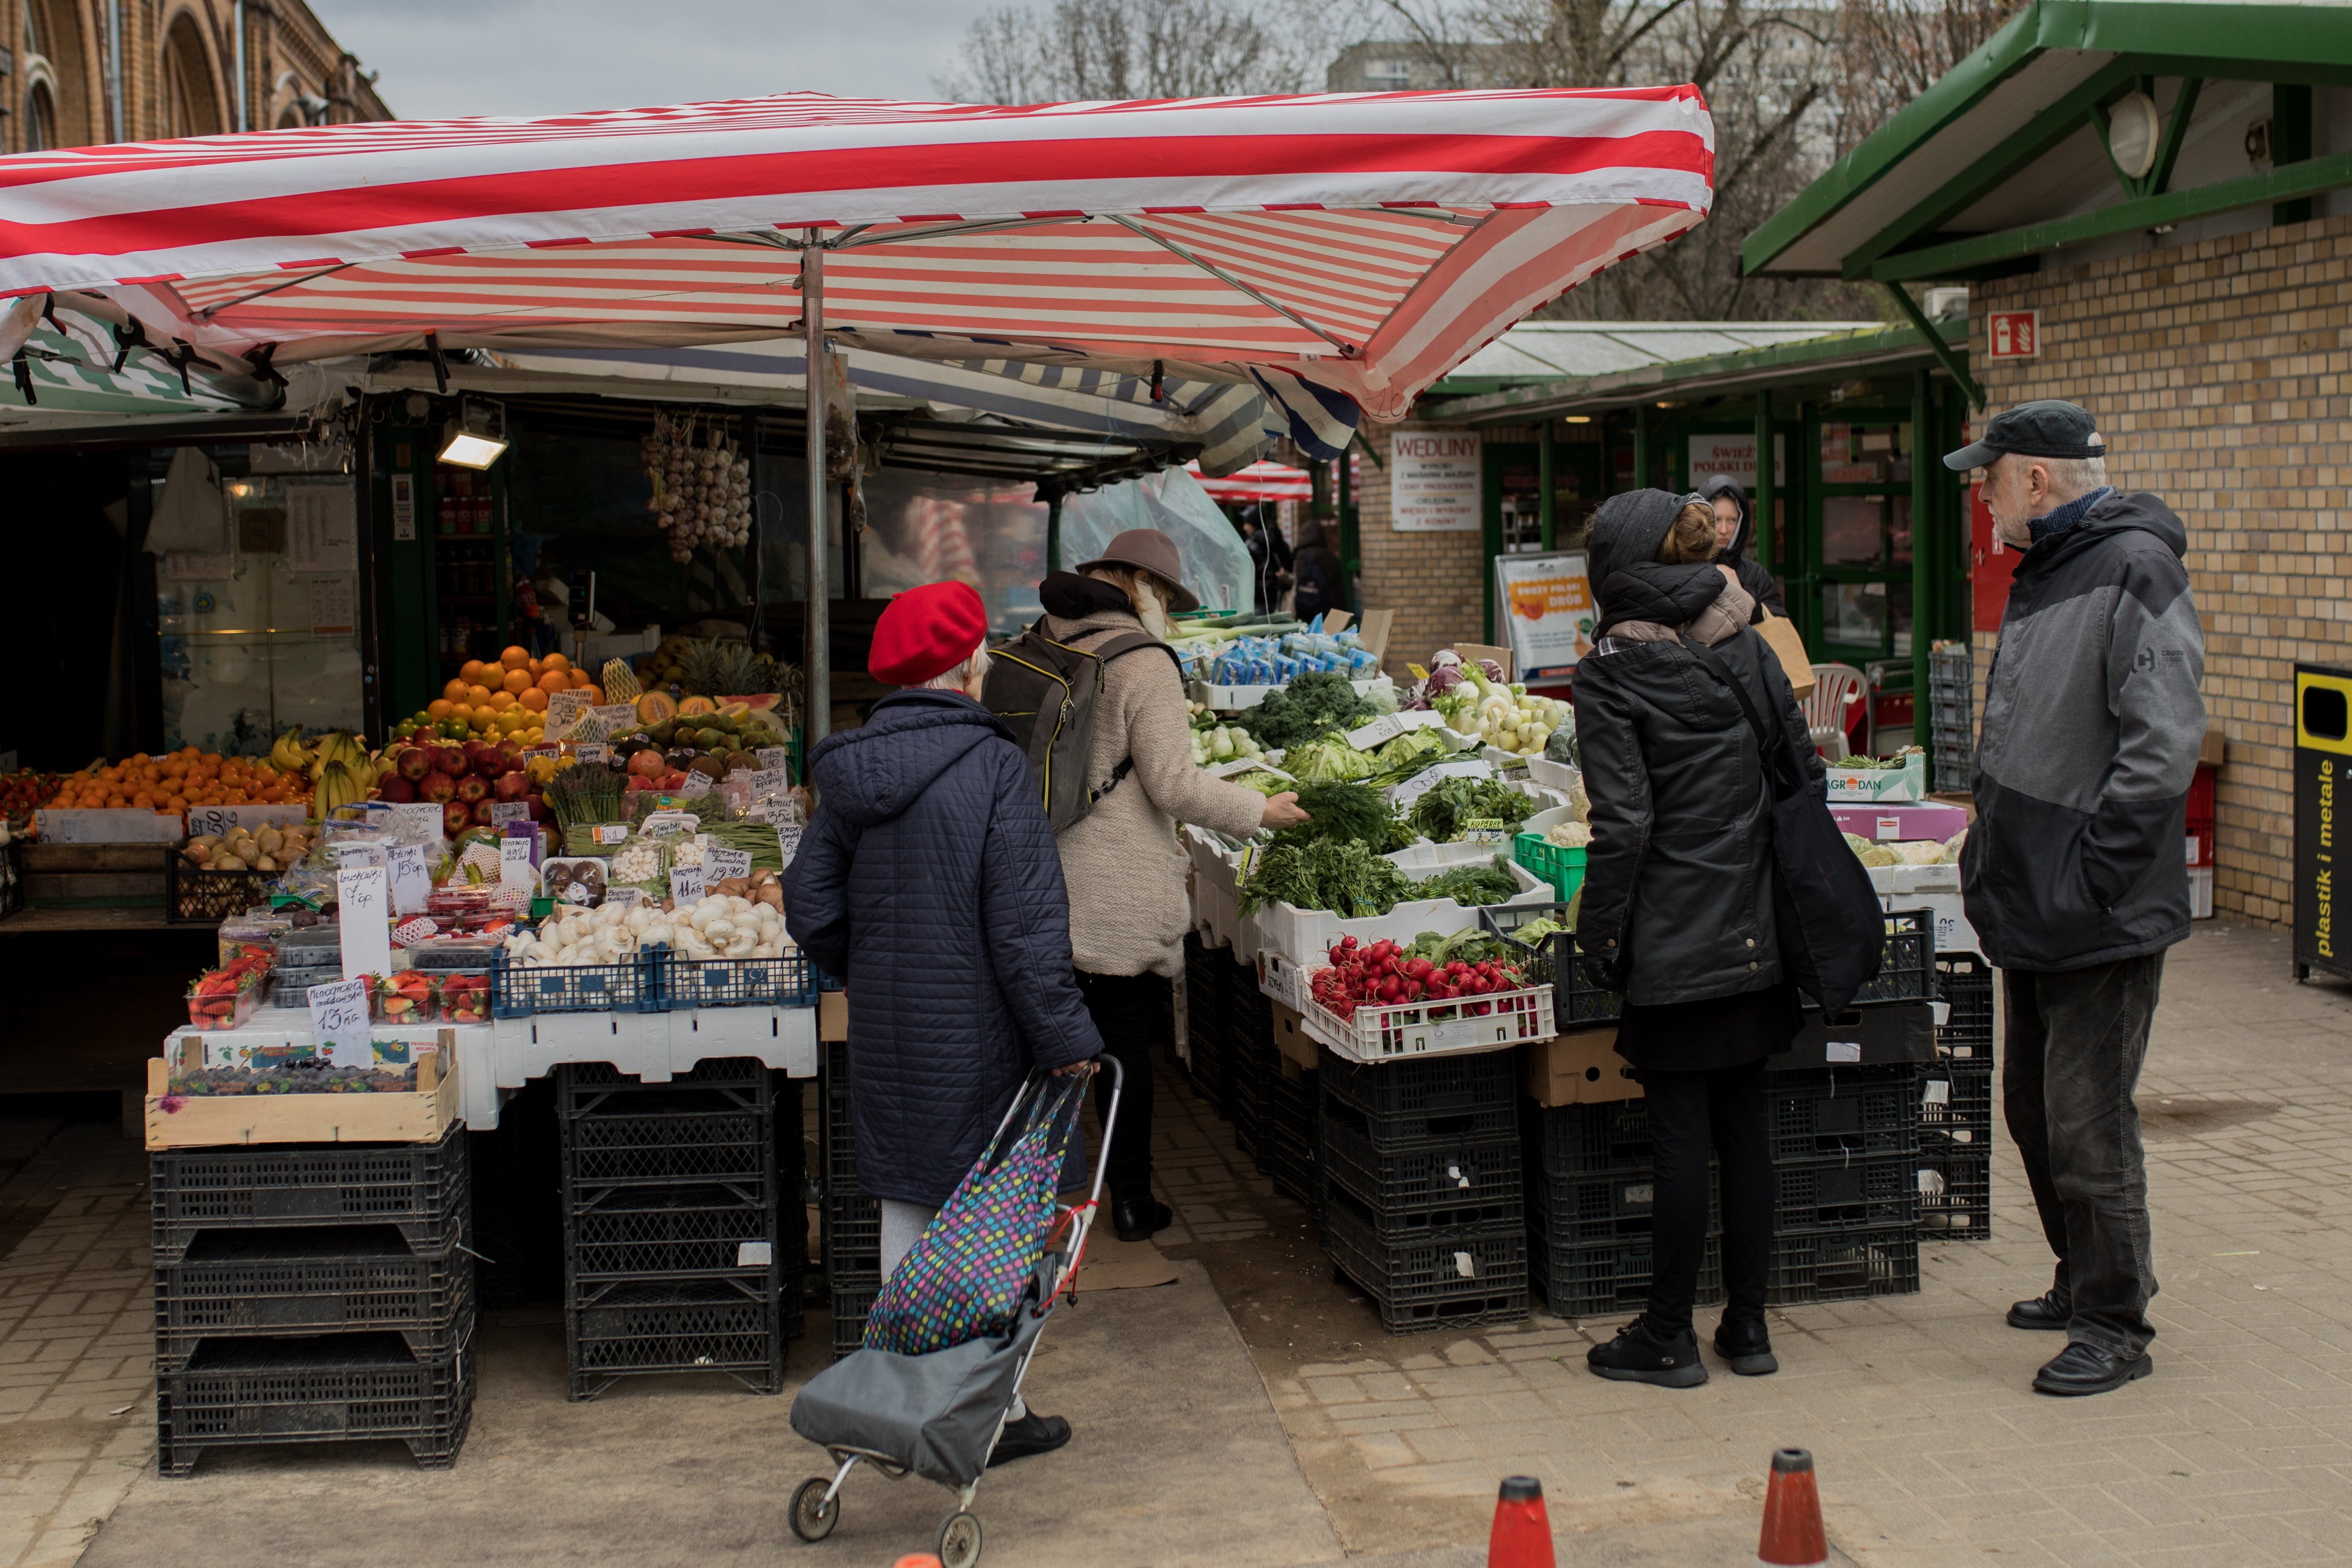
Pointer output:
x,y
251,1284
1610,1278
1251,1051
719,1083
664,1149
1551,961
1844,1110
1956,1104
1843,1266
1450,1279
853,1235
1907,971
734,1326
1964,982
1294,1135
423,1189
1205,994
851,1307
194,896
638,1233
1409,1192
1446,1129
1866,1192
1588,1140
335,1388
1429,1086
1956,1193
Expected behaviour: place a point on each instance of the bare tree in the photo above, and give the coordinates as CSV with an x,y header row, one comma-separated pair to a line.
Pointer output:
x,y
1089,49
1894,50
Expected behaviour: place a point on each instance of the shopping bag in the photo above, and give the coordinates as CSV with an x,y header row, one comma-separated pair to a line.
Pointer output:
x,y
963,1280
1832,931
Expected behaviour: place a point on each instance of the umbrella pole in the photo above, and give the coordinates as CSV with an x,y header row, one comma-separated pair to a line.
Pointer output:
x,y
816,712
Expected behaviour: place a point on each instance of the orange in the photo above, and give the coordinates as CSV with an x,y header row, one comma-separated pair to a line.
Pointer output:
x,y
478,695
517,677
554,681
456,690
463,713
515,658
502,700
439,708
534,699
584,681
556,661
596,695
473,671
535,668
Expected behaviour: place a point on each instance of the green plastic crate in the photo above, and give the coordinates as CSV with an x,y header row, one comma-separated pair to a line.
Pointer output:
x,y
1562,868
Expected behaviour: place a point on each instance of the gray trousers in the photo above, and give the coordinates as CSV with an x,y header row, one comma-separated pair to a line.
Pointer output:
x,y
903,1226
2075,1046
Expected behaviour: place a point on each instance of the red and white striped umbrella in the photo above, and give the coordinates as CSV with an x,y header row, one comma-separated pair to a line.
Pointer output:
x,y
1364,243
1259,482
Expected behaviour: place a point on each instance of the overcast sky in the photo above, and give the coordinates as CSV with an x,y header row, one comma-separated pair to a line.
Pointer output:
x,y
445,57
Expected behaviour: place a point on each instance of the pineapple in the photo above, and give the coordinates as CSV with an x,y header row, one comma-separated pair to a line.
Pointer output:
x,y
724,669
619,682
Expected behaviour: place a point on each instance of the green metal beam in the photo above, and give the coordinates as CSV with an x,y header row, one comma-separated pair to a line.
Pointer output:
x,y
2306,179
1767,490
1547,504
2176,133
2032,140
1927,467
1954,365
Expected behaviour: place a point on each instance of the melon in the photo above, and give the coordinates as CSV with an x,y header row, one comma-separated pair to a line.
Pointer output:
x,y
696,705
655,707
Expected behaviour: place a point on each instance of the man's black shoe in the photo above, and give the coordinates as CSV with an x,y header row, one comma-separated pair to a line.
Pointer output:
x,y
1137,1216
1031,1435
1638,1356
1746,1344
2086,1369
2047,1310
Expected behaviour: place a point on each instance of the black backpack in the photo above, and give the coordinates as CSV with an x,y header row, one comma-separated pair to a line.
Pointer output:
x,y
1045,693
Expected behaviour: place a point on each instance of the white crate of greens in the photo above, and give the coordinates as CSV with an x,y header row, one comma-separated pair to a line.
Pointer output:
x,y
1494,1021
1903,778
1233,699
1308,934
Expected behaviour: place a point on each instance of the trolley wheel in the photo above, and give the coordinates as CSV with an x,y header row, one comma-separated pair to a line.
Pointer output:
x,y
960,1540
813,1517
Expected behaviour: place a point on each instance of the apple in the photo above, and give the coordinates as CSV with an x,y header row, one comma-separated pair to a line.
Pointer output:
x,y
438,785
473,787
538,804
414,763
511,750
396,788
512,786
455,818
482,811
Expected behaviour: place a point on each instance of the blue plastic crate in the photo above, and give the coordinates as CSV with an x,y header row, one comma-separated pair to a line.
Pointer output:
x,y
631,986
684,982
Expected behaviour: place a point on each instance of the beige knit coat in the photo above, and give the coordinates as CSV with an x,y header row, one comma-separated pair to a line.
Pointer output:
x,y
1129,907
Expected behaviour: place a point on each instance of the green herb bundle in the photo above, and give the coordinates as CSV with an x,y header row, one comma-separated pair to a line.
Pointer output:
x,y
1352,811
1471,885
1317,703
1341,876
1446,808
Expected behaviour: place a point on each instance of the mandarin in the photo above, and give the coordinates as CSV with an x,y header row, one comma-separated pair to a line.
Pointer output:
x,y
515,658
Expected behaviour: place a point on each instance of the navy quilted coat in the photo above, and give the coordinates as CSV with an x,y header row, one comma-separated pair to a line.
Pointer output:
x,y
931,884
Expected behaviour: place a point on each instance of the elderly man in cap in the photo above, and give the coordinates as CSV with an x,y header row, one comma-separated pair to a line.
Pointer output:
x,y
930,883
2073,873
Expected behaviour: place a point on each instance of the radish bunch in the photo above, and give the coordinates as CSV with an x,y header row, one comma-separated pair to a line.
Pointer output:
x,y
1385,974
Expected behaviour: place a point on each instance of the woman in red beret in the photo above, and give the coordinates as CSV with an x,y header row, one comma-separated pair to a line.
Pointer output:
x,y
928,881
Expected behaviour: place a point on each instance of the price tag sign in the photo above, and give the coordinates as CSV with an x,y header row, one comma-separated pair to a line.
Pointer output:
x,y
339,1023
625,898
507,810
1483,830
564,709
515,867
411,885
612,832
685,885
1387,727
669,824
718,865
777,758
694,784
364,893
766,782
530,751
420,820
212,819
788,840
1413,788
592,754
360,854
614,716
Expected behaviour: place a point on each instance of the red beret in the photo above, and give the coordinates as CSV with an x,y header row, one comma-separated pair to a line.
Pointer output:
x,y
926,632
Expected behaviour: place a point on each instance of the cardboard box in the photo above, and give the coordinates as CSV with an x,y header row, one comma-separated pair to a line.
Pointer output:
x,y
2213,749
1877,1036
1581,1069
1504,657
832,1016
1291,1038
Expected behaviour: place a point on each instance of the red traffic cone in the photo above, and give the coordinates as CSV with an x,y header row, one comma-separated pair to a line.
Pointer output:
x,y
1793,1537
1522,1533
917,1560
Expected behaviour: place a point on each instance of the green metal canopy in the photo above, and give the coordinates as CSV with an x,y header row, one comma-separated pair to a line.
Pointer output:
x,y
2082,121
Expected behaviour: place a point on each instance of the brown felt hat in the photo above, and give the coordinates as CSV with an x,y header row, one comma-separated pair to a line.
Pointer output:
x,y
1155,553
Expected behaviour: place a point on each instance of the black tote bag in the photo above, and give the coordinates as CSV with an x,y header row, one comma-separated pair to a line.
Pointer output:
x,y
1832,932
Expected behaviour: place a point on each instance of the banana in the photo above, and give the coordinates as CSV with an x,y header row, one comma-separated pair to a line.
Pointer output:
x,y
287,755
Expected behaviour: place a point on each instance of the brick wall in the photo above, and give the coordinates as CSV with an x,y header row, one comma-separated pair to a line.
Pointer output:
x,y
2220,373
1435,581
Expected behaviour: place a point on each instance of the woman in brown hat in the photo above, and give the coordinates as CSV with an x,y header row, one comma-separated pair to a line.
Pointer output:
x,y
1126,871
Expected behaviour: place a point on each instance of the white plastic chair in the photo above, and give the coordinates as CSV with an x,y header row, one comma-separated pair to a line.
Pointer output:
x,y
1836,688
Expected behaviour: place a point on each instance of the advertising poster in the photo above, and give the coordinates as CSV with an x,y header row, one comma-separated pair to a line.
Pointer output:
x,y
1433,481
1547,605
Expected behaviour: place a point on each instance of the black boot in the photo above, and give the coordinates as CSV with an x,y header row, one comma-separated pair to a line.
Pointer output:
x,y
1746,1344
1639,1355
1030,1435
2047,1310
2083,1368
1136,1215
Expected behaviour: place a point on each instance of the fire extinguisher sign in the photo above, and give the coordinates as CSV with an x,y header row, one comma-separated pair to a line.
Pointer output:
x,y
2013,335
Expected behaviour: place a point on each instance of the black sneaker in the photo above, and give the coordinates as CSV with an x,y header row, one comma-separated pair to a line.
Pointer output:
x,y
1033,1433
1746,1344
1638,1356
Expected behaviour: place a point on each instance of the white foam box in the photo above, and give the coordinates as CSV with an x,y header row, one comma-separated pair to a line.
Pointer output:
x,y
1906,782
1306,935
1233,699
1935,888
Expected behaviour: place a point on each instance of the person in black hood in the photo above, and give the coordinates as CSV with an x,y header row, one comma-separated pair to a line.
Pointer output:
x,y
1735,531
930,882
1677,905
1319,577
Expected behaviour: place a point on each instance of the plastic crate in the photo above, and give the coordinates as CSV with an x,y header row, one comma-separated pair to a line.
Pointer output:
x,y
664,1149
1907,971
1955,1105
1590,1139
1818,1114
853,1235
1560,866
704,1325
1843,1266
786,982
1409,1031
248,1284
668,1233
1204,1021
423,1190
1255,1060
1439,1130
1964,984
593,1087
1956,1193
631,986
1293,1129
850,1310
194,896
333,1389
1551,961
1433,1088
1447,1279
1866,1192
1411,1191
1612,1279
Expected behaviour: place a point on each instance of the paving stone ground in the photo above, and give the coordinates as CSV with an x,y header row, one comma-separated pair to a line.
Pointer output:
x,y
1932,1449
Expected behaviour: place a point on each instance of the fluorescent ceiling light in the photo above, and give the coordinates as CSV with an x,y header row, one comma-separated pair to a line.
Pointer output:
x,y
475,436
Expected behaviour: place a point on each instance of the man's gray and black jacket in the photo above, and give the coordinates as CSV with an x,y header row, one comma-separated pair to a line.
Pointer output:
x,y
2092,723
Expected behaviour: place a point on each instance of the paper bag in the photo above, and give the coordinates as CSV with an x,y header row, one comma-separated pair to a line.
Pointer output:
x,y
1781,635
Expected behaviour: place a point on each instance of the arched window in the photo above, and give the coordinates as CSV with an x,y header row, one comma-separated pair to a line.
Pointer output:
x,y
40,119
56,105
191,107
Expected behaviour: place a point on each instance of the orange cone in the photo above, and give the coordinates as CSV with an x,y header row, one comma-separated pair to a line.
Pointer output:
x,y
1793,1537
917,1560
1522,1533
